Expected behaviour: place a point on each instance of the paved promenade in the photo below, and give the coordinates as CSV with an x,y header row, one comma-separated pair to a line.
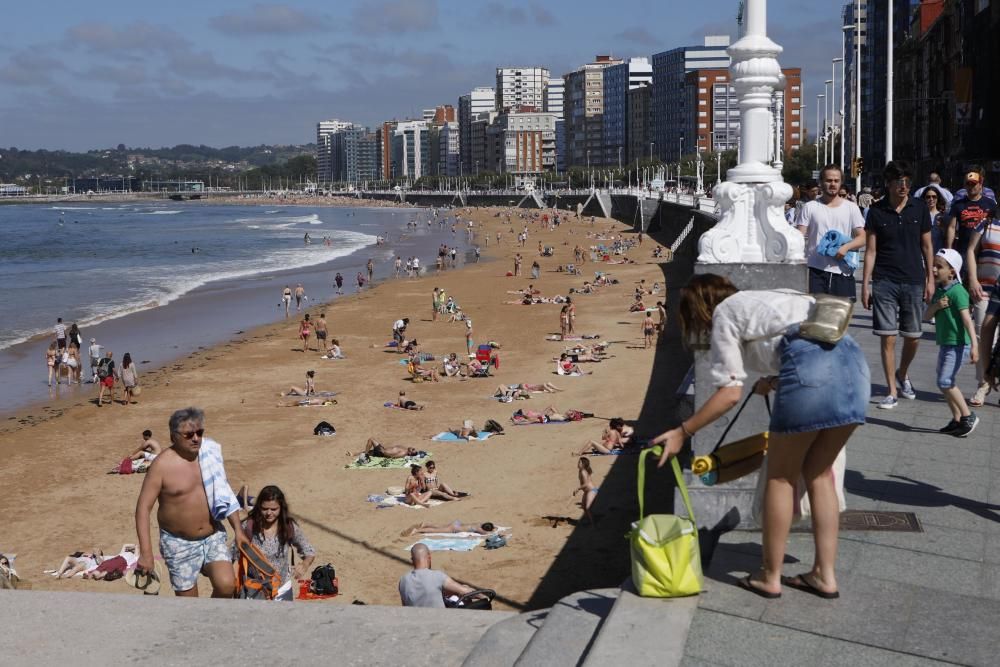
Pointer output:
x,y
907,598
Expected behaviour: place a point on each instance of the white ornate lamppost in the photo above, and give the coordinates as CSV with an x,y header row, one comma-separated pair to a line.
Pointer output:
x,y
752,228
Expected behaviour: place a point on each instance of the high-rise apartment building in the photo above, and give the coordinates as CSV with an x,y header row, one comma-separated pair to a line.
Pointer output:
x,y
618,81
671,129
385,133
713,110
483,152
519,87
554,105
324,130
583,111
524,141
449,143
411,152
640,122
479,100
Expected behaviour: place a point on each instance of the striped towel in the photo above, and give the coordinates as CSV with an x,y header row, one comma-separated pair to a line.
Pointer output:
x,y
221,500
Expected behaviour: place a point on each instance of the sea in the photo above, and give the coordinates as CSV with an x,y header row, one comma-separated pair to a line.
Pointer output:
x,y
164,279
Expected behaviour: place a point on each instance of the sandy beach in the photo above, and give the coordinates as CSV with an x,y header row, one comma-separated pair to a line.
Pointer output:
x,y
58,498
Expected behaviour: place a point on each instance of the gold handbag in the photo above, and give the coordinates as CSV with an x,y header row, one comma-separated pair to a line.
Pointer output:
x,y
828,320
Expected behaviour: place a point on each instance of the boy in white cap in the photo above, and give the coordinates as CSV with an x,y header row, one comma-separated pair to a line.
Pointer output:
x,y
956,338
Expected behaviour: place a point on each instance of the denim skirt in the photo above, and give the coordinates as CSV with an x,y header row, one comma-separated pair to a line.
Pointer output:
x,y
820,385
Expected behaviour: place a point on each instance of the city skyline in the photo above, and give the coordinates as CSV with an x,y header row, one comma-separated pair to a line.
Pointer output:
x,y
74,79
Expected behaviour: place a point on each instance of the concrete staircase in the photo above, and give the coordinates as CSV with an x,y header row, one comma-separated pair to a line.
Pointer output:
x,y
592,628
609,626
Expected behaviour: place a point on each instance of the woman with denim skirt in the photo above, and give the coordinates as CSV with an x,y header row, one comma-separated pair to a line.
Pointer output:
x,y
821,395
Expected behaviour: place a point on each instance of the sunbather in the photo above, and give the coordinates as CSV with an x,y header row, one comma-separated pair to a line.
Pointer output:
x,y
308,390
451,366
415,491
77,562
567,366
333,351
425,528
375,448
526,388
549,414
402,402
413,366
467,431
148,450
616,436
116,566
439,489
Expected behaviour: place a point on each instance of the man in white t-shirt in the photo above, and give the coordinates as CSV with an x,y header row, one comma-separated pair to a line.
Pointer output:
x,y
831,212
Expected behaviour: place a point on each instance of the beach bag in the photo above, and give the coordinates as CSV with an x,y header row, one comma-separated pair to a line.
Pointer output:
x,y
828,320
666,561
323,580
257,578
492,426
495,542
478,600
324,428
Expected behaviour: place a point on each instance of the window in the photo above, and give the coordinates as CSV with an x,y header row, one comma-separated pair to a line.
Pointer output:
x,y
795,89
795,135
703,103
702,114
795,123
702,126
795,100
702,78
795,112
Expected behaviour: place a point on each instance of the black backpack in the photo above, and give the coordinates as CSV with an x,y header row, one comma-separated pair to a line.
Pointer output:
x,y
104,368
324,428
323,580
493,427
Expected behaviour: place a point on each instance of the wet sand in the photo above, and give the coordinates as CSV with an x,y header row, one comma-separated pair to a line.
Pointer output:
x,y
58,498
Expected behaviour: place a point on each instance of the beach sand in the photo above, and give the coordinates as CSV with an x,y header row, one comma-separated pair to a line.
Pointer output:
x,y
57,498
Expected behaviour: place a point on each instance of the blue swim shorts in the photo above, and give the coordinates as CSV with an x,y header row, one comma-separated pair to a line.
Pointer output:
x,y
186,558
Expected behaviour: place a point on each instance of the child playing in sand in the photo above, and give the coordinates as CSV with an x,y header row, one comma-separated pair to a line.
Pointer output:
x,y
586,487
956,339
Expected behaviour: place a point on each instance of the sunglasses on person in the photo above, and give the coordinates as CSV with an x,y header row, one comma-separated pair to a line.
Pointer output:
x,y
903,183
191,434
971,183
930,196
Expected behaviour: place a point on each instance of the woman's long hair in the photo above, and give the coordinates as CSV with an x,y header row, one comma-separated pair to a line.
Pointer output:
x,y
699,298
286,524
126,360
941,202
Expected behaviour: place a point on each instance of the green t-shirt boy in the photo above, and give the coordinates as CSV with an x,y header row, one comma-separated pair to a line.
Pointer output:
x,y
950,328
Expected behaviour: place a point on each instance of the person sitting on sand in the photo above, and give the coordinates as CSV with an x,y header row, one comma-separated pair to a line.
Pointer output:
x,y
451,367
439,489
413,366
586,487
79,562
616,436
401,402
415,490
424,528
637,306
568,367
334,351
308,390
148,450
375,448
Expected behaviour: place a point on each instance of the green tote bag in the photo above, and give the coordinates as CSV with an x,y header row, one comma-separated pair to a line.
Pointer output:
x,y
666,562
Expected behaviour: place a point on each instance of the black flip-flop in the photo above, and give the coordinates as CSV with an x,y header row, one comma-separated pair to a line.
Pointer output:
x,y
800,583
745,583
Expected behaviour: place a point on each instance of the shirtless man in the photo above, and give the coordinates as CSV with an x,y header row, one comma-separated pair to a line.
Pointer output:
x,y
192,537
375,448
320,326
424,528
286,298
148,450
300,294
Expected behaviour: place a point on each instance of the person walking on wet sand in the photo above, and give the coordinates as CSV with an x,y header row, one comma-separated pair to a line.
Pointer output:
x,y
286,298
338,280
106,372
371,269
300,296
188,481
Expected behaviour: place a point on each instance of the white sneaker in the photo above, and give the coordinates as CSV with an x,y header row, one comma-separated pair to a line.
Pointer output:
x,y
888,403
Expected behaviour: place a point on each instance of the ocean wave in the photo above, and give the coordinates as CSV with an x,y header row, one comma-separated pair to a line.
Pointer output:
x,y
161,212
165,287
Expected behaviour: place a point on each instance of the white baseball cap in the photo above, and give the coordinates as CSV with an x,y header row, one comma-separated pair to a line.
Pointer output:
x,y
952,257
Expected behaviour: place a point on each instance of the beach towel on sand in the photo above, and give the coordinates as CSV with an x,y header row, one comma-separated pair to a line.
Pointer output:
x,y
383,500
129,467
380,463
449,543
448,436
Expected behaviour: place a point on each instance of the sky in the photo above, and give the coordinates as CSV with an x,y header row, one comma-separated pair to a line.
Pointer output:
x,y
88,75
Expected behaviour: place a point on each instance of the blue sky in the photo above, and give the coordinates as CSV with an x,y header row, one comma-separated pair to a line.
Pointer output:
x,y
80,75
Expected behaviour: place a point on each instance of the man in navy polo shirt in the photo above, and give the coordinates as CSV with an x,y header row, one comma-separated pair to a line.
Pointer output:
x,y
898,277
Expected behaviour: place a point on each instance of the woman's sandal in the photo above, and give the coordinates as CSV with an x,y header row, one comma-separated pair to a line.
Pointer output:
x,y
800,583
747,583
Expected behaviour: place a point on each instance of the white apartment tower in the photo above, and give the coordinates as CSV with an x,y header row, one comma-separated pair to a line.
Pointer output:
x,y
479,100
324,162
521,87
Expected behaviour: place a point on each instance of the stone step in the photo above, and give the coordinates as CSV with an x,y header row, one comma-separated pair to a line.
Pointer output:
x,y
569,629
50,628
503,643
638,628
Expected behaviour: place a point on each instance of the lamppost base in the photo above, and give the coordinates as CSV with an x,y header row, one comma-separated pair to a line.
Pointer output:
x,y
752,227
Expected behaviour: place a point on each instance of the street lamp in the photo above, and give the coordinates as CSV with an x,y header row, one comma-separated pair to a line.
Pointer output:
x,y
888,84
833,109
619,158
826,119
843,98
819,99
651,144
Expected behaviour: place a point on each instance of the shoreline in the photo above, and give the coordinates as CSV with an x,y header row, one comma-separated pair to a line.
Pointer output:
x,y
117,332
515,480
